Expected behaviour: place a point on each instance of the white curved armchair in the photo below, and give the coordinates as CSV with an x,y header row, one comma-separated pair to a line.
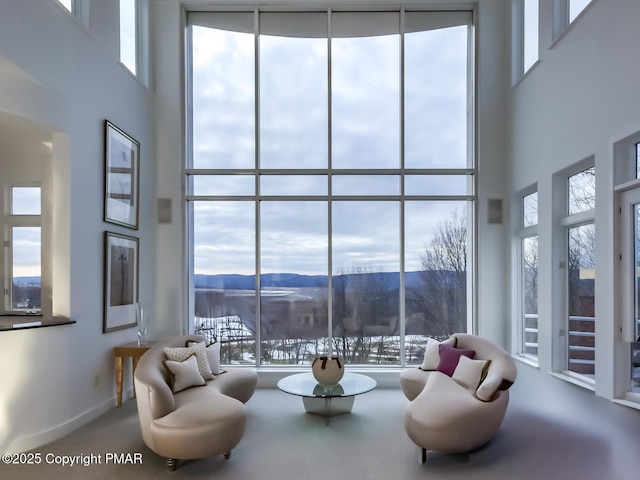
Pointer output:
x,y
206,419
461,412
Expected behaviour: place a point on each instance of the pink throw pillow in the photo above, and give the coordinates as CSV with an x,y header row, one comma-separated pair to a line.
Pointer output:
x,y
449,357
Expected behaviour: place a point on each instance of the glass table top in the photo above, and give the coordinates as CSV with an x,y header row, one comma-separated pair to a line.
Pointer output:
x,y
305,385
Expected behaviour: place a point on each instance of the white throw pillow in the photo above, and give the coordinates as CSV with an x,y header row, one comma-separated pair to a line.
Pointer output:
x,y
178,354
213,355
432,353
489,386
185,374
470,373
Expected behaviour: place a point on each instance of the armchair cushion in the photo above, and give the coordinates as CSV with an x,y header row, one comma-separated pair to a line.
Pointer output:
x,y
491,386
470,373
185,374
449,357
180,354
213,355
432,353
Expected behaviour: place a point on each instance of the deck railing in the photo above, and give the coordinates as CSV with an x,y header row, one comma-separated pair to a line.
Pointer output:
x,y
581,341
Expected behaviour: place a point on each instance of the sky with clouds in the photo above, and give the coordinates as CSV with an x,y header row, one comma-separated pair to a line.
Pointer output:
x,y
26,239
296,120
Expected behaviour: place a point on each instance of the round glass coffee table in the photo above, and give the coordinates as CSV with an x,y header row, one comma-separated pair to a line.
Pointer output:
x,y
327,400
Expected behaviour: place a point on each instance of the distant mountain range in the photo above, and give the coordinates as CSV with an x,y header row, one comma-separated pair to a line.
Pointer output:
x,y
274,280
294,280
26,281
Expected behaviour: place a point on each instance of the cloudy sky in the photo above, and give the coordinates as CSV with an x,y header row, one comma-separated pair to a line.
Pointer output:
x,y
296,121
25,239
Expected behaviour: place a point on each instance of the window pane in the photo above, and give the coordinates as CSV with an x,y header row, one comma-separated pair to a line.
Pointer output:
x,y
223,184
293,185
365,185
294,295
223,99
128,34
293,102
635,367
581,322
365,109
530,36
438,185
436,273
582,191
366,265
576,7
26,268
25,201
224,276
530,210
68,4
637,160
635,328
436,84
530,295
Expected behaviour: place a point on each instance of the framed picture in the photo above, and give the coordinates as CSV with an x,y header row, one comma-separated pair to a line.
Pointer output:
x,y
121,177
120,281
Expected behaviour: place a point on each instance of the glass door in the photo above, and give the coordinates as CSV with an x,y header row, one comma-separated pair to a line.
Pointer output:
x,y
630,258
633,328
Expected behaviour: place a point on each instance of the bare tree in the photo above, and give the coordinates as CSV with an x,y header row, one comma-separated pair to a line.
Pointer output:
x,y
441,297
364,304
582,191
530,274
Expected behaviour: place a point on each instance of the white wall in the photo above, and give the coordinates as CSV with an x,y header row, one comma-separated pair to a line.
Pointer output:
x,y
66,77
168,39
575,103
492,134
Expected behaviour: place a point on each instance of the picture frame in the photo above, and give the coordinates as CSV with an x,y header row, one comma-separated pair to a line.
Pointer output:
x,y
121,267
121,177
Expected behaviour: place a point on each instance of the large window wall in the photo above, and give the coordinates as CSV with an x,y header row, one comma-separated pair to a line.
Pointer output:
x,y
330,182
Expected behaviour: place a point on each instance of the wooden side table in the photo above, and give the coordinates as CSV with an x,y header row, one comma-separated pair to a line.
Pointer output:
x,y
133,350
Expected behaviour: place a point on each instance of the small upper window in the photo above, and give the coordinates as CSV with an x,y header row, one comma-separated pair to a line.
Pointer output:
x,y
25,201
128,35
582,191
68,4
565,12
525,39
637,160
530,33
530,210
576,7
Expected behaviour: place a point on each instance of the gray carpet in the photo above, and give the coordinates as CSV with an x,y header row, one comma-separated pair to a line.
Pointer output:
x,y
282,442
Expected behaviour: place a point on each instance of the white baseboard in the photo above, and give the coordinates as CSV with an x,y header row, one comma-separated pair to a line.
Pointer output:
x,y
32,442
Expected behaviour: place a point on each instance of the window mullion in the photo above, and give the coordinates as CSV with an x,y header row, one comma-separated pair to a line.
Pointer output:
x,y
330,298
402,293
258,257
